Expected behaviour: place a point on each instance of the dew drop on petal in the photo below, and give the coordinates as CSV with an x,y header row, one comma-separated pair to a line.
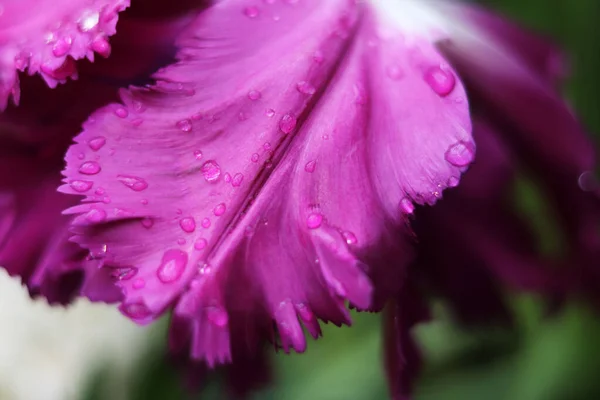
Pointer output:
x,y
460,154
188,224
237,179
134,183
95,215
139,283
200,244
135,310
185,125
62,46
349,237
305,88
270,113
406,206
441,81
254,95
125,273
197,154
121,112
314,220
255,157
172,265
147,223
89,168
81,186
453,181
251,12
219,209
217,316
97,143
310,166
227,177
394,73
206,223
211,171
287,123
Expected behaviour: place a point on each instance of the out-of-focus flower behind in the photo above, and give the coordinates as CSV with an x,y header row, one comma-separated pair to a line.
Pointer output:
x,y
54,353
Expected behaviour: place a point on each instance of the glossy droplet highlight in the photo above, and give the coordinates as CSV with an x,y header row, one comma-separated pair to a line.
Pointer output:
x,y
287,123
406,206
81,186
147,223
206,223
254,157
95,215
314,220
306,88
251,12
172,265
270,113
349,237
440,80
125,273
185,125
460,154
237,179
200,244
121,112
220,209
97,143
135,310
133,182
89,168
197,154
211,171
139,283
310,166
188,224
254,95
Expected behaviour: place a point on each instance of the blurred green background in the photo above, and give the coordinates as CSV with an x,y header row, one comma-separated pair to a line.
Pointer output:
x,y
554,358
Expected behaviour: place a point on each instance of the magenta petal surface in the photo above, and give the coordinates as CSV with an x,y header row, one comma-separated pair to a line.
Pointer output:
x,y
47,36
267,175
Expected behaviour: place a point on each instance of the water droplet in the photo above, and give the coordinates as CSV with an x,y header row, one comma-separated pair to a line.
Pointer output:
x,y
125,273
349,237
453,181
121,112
219,209
306,88
255,157
147,223
587,181
181,241
394,73
270,113
406,206
254,95
251,12
133,182
206,223
314,220
287,123
172,265
135,310
197,154
88,21
100,191
81,186
97,143
441,81
267,146
62,46
89,168
139,283
460,154
211,171
200,244
101,46
227,177
188,224
237,179
95,215
310,166
185,125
